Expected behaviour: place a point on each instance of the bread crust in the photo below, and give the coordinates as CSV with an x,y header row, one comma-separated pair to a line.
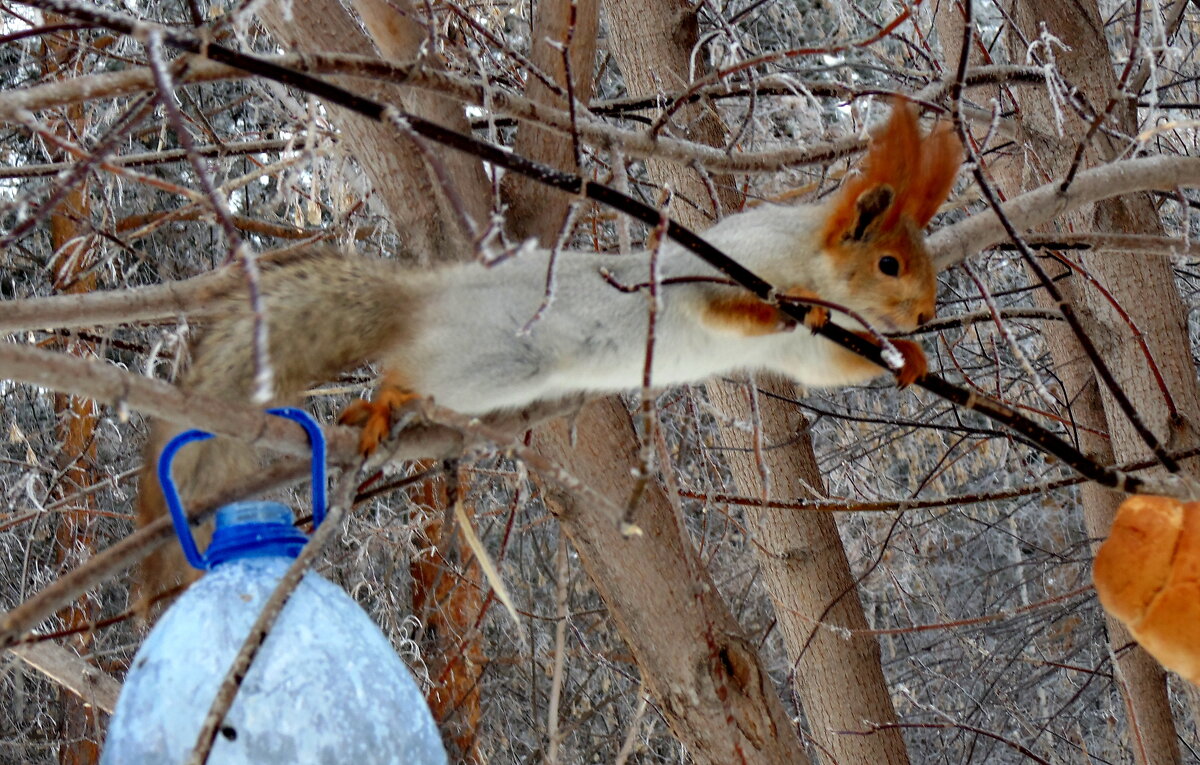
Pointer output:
x,y
1147,574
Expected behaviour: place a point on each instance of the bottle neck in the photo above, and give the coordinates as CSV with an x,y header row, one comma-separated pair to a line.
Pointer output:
x,y
254,530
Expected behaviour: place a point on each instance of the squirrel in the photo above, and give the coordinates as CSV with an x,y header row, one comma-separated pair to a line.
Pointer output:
x,y
466,335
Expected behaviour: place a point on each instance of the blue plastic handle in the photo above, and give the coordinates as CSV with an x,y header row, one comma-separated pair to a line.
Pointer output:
x,y
315,438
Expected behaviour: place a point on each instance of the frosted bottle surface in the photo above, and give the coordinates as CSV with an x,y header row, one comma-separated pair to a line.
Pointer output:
x,y
326,687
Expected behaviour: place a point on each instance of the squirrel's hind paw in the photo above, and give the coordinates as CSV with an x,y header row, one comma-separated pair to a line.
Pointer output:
x,y
377,417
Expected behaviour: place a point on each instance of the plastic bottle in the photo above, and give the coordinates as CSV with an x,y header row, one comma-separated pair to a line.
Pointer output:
x,y
326,686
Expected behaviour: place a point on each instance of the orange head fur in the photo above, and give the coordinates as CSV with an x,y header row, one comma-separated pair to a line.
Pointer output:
x,y
873,228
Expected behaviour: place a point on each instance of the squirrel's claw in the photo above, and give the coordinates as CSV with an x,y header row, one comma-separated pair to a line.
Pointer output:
x,y
915,366
818,315
377,417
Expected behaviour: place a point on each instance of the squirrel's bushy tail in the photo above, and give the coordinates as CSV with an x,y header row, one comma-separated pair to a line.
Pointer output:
x,y
307,343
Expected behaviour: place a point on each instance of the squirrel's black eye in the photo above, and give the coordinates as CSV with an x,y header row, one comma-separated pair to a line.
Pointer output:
x,y
889,266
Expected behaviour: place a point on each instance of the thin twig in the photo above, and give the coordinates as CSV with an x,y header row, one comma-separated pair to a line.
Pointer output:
x,y
562,612
560,242
1014,347
873,728
649,414
154,157
138,111
1119,95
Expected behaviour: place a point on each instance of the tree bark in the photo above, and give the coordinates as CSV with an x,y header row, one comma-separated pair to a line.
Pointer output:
x,y
652,43
447,597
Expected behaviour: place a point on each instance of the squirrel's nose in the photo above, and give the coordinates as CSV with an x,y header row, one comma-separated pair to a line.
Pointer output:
x,y
923,317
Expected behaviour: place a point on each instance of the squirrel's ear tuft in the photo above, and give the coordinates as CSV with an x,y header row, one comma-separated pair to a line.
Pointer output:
x,y
902,174
941,155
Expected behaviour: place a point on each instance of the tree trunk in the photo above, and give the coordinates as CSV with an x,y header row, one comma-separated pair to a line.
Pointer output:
x,y
839,681
652,43
703,673
411,194
75,417
448,588
717,738
535,209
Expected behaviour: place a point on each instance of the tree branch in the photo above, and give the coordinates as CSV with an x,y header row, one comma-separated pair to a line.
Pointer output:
x,y
954,243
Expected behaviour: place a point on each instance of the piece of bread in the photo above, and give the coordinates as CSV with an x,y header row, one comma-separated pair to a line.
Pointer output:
x,y
1147,574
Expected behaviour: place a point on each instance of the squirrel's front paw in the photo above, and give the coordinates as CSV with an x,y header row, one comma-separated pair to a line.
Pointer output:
x,y
377,417
914,367
818,315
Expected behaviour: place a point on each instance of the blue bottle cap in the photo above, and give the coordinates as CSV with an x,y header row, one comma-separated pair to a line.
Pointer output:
x,y
254,530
